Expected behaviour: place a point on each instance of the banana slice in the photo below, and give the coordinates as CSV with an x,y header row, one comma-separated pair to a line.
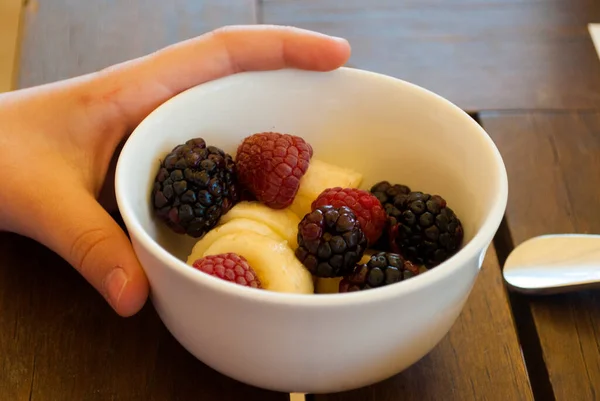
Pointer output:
x,y
283,221
301,205
232,226
328,285
320,176
273,261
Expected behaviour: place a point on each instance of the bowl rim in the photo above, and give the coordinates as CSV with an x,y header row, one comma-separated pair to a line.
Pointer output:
x,y
479,242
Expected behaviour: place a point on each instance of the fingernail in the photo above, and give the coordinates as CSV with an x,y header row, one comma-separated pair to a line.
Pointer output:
x,y
114,284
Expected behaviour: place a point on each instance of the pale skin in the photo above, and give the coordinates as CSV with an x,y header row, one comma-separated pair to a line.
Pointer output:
x,y
59,141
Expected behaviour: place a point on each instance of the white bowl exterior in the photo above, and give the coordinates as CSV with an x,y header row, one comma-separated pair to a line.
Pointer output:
x,y
319,349
368,122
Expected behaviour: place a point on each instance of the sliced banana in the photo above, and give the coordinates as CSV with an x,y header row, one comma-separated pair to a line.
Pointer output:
x,y
302,205
328,285
320,176
232,226
273,261
283,221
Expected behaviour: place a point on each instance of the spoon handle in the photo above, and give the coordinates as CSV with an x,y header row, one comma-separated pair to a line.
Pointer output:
x,y
553,290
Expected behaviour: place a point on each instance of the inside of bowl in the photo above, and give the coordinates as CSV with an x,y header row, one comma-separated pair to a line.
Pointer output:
x,y
383,128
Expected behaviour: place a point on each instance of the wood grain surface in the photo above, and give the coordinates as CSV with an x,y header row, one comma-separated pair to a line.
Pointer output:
x,y
60,341
553,163
479,359
480,54
65,38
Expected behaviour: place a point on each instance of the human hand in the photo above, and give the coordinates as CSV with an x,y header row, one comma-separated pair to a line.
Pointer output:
x,y
58,143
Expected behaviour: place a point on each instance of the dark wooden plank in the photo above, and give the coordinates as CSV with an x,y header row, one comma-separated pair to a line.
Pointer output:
x,y
65,38
60,341
480,54
479,359
58,338
553,162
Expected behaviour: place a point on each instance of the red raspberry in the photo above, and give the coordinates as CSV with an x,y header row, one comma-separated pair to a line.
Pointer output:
x,y
230,267
366,207
271,164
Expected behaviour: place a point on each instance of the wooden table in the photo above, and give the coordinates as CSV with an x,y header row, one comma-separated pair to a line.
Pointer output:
x,y
527,70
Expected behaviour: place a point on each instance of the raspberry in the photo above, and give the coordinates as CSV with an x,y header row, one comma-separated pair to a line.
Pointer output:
x,y
229,267
382,269
330,241
270,165
364,205
195,185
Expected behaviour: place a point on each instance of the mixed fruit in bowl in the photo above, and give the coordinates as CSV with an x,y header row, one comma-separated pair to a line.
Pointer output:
x,y
275,218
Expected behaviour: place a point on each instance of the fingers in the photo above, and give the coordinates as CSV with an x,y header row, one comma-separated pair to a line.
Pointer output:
x,y
58,191
76,227
246,48
139,86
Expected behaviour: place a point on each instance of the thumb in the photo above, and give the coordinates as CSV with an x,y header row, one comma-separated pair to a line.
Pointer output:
x,y
86,236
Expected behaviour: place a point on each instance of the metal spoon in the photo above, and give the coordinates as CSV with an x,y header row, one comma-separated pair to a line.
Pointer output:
x,y
552,264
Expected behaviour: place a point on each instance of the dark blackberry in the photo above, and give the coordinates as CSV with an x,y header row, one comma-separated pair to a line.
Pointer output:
x,y
383,268
427,231
195,185
330,241
387,193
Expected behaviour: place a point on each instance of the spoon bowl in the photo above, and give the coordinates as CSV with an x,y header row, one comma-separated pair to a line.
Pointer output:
x,y
552,264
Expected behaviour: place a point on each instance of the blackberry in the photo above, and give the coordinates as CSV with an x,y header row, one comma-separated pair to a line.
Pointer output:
x,y
195,185
382,269
386,193
330,241
426,231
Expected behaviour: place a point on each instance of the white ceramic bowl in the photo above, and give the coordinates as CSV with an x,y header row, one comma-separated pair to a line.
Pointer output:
x,y
385,128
